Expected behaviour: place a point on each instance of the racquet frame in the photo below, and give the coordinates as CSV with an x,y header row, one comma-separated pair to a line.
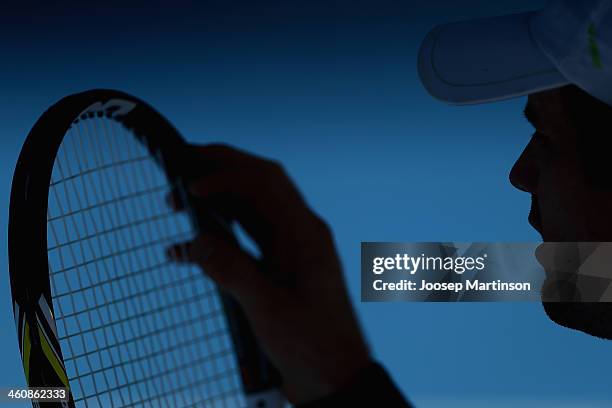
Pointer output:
x,y
27,241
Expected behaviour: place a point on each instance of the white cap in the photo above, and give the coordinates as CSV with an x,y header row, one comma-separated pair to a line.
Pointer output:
x,y
484,60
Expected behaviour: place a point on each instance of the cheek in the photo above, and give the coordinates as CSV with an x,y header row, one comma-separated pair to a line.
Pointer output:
x,y
598,218
561,201
571,210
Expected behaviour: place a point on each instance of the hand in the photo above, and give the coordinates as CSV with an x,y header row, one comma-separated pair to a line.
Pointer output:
x,y
293,295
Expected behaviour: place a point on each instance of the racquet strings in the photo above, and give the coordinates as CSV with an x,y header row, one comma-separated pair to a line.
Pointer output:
x,y
135,328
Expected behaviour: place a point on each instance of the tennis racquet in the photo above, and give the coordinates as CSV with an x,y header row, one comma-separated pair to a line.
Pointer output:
x,y
99,308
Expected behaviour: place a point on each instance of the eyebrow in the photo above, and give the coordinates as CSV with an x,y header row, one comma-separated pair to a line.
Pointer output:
x,y
530,115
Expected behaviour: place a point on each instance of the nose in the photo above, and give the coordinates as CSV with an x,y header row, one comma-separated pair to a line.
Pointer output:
x,y
525,172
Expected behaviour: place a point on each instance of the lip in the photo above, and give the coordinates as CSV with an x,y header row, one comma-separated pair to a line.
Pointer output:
x,y
535,222
534,216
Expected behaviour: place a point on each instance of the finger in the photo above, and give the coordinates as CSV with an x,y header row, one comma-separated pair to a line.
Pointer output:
x,y
263,183
268,190
225,156
228,265
198,160
210,209
173,201
265,203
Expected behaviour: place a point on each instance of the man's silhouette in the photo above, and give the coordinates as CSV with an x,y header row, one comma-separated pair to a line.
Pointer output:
x,y
561,57
565,170
294,294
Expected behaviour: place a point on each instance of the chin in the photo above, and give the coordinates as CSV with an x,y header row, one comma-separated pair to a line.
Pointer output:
x,y
588,317
593,318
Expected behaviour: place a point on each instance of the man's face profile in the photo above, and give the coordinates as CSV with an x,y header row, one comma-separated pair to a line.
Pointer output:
x,y
563,170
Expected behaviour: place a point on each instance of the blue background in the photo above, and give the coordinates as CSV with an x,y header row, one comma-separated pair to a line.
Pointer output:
x,y
331,90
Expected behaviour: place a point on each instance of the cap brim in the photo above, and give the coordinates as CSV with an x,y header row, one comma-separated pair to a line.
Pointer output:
x,y
485,60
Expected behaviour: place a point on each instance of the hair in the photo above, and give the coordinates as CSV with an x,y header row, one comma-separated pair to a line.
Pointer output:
x,y
592,118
